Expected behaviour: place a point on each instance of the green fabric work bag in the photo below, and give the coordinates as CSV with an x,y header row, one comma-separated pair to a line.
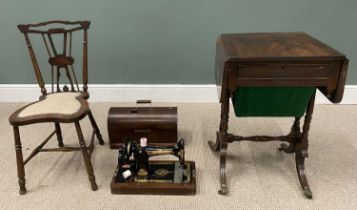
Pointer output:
x,y
271,101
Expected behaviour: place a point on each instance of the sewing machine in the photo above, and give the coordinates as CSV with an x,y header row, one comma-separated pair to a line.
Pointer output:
x,y
136,174
135,158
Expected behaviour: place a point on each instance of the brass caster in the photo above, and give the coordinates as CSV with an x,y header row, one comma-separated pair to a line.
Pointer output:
x,y
223,190
307,192
286,148
94,187
23,190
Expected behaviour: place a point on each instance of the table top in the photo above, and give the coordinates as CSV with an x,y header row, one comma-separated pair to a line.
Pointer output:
x,y
276,46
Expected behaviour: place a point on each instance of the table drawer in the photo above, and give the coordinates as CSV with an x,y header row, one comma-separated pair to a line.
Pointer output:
x,y
284,71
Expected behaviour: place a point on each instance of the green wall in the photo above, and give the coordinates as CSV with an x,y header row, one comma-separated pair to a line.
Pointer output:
x,y
170,41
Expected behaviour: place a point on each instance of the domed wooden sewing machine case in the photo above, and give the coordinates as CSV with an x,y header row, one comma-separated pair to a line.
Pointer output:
x,y
157,124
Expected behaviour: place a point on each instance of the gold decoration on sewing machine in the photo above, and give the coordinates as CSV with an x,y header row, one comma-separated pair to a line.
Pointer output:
x,y
162,172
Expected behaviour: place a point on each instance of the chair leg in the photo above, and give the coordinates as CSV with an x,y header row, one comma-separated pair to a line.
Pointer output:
x,y
95,127
86,156
20,161
59,134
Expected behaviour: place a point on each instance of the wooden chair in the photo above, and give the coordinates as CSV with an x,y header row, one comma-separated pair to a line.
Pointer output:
x,y
61,105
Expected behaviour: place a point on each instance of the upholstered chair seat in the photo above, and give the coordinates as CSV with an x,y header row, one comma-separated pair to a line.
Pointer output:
x,y
62,106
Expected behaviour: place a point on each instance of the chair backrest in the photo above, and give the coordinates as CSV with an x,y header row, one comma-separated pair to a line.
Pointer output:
x,y
58,60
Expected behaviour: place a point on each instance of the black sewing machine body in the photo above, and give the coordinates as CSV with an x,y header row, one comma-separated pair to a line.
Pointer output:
x,y
136,174
134,164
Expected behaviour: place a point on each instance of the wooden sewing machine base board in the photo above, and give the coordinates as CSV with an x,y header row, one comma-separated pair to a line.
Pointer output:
x,y
132,186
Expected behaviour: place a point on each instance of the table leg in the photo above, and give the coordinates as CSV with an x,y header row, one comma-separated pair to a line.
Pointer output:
x,y
295,134
223,125
222,165
222,143
215,145
302,147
